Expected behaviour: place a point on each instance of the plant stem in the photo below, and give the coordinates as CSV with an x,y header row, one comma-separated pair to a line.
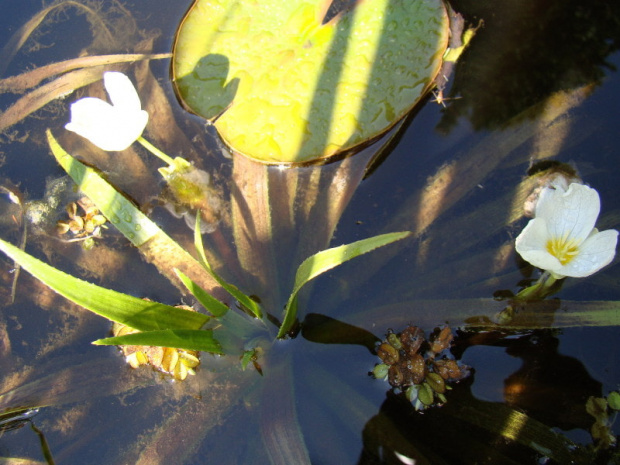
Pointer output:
x,y
539,290
155,151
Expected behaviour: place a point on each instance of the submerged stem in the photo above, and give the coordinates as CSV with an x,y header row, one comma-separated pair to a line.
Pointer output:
x,y
155,151
45,448
539,290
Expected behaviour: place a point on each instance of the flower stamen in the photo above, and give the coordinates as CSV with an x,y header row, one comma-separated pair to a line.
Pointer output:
x,y
563,249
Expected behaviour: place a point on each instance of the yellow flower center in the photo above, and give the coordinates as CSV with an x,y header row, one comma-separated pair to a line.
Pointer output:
x,y
563,249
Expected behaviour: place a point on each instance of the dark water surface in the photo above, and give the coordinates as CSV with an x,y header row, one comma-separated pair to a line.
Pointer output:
x,y
528,59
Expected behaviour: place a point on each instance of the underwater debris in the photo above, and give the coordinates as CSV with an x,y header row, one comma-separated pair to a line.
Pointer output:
x,y
175,362
419,367
549,174
84,227
604,411
190,190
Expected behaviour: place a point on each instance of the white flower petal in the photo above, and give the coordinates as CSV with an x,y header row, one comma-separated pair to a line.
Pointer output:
x,y
121,91
571,214
533,237
89,118
531,244
110,127
596,252
542,259
126,129
104,125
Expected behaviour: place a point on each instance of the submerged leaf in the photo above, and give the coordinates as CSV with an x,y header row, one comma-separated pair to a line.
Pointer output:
x,y
44,94
34,77
69,379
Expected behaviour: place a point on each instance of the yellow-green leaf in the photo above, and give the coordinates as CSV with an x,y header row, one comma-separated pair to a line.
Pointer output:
x,y
282,86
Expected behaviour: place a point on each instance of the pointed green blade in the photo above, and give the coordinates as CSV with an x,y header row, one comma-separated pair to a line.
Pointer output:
x,y
124,215
186,339
244,299
324,261
137,313
210,303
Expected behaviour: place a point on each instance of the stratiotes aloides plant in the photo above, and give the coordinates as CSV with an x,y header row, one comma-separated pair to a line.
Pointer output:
x,y
141,322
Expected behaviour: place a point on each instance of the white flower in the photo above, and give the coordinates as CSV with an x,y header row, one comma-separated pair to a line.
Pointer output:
x,y
562,238
110,127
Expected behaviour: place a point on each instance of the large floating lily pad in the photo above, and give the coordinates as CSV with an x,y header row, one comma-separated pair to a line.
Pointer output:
x,y
283,87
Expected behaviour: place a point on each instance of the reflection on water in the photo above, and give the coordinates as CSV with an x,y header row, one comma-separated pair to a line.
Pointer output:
x,y
453,177
528,51
534,386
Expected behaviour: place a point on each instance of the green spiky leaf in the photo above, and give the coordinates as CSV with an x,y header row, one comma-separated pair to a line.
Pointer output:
x,y
186,339
245,300
123,214
137,313
324,261
210,303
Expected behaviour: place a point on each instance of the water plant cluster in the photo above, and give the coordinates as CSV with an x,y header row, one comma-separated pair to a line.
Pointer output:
x,y
245,98
422,369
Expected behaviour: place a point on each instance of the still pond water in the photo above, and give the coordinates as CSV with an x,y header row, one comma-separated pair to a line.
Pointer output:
x,y
538,82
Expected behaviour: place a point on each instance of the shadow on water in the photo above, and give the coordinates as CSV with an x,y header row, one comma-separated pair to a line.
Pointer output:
x,y
470,430
527,51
